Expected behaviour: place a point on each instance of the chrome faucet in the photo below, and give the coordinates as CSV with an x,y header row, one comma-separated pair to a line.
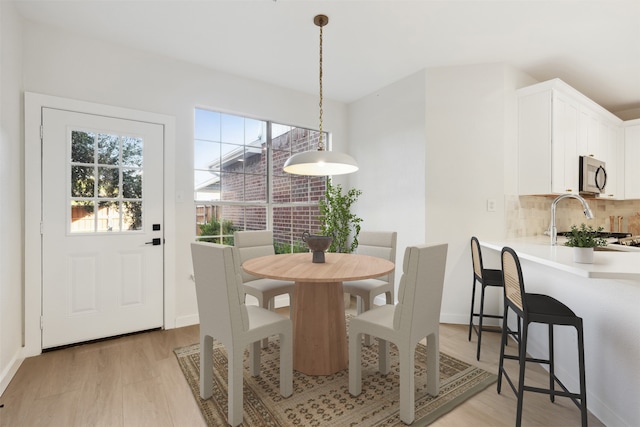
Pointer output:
x,y
552,228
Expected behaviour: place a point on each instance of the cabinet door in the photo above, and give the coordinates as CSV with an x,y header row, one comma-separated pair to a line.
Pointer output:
x,y
632,158
614,141
534,143
590,136
564,146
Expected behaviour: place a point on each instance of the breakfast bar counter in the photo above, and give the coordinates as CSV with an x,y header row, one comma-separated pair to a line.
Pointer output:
x,y
608,264
606,294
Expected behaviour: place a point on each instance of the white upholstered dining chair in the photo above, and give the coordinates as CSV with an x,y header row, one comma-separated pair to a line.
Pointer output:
x,y
225,317
253,244
381,244
416,316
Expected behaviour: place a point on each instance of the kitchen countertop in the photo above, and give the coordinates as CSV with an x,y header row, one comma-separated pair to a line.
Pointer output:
x,y
607,264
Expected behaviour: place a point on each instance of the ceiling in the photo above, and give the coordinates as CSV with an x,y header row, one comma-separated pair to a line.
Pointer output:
x,y
592,45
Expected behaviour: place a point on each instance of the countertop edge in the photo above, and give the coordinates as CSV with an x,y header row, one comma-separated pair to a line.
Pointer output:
x,y
608,265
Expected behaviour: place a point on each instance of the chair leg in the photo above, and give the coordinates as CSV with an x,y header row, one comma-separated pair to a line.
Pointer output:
x,y
234,373
407,384
368,303
523,363
206,366
433,364
290,304
473,300
389,297
268,305
254,359
355,368
519,331
286,364
503,343
480,321
552,373
581,367
359,305
384,361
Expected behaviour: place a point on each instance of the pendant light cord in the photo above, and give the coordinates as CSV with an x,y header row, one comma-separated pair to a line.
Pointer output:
x,y
320,143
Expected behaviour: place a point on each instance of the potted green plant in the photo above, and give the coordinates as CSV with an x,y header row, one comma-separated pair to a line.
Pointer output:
x,y
584,240
337,220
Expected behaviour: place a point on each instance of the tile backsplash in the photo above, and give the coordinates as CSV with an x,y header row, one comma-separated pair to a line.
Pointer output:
x,y
531,215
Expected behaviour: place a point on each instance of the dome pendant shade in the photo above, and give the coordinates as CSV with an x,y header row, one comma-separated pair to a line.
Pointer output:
x,y
320,163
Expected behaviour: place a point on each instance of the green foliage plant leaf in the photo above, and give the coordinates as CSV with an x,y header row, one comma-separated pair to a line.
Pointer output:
x,y
212,228
337,220
584,237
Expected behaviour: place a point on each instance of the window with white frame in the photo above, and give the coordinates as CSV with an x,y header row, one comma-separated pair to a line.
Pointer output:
x,y
239,183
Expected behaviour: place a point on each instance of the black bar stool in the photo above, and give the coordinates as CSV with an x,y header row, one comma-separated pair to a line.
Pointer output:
x,y
536,308
486,277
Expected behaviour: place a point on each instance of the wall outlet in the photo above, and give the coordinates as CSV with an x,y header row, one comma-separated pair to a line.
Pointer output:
x,y
491,205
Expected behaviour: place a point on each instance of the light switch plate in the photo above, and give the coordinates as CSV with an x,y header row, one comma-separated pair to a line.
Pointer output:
x,y
491,205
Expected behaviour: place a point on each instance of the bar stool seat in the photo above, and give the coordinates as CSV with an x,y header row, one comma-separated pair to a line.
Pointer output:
x,y
537,308
544,305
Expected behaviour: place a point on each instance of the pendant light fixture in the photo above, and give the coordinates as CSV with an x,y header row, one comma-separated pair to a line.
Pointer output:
x,y
320,162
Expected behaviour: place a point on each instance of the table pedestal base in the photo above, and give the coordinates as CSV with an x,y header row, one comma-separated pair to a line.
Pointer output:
x,y
319,329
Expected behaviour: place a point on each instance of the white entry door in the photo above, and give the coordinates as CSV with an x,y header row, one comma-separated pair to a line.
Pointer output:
x,y
102,230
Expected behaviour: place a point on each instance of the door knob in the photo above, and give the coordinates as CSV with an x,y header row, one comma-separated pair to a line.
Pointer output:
x,y
155,242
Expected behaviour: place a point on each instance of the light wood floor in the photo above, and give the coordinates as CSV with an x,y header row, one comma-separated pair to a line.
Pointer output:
x,y
136,381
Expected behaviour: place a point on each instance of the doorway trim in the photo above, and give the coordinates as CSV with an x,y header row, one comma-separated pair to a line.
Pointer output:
x,y
34,103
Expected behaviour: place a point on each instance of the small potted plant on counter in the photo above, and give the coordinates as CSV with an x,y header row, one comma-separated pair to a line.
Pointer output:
x,y
584,240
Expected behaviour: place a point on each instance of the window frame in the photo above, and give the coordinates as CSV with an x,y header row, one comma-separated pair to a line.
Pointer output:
x,y
294,242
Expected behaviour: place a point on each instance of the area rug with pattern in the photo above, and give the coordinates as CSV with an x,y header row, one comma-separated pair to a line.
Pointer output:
x,y
325,400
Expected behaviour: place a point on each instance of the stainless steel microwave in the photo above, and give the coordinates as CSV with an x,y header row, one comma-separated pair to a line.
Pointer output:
x,y
593,175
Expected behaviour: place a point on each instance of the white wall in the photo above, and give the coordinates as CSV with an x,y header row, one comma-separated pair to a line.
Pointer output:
x,y
430,146
11,213
434,147
387,135
58,63
470,129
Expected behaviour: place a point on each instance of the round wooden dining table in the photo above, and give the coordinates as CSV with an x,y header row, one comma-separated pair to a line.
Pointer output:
x,y
319,329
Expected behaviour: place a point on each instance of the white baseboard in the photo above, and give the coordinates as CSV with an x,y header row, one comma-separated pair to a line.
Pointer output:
x,y
455,319
10,371
463,319
192,319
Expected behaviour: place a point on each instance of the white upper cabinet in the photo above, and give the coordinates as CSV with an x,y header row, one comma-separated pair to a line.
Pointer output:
x,y
590,139
613,138
632,158
557,125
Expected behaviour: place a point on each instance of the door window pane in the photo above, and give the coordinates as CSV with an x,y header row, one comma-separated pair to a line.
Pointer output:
x,y
108,149
132,215
106,182
82,181
108,216
131,151
82,146
82,218
131,183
